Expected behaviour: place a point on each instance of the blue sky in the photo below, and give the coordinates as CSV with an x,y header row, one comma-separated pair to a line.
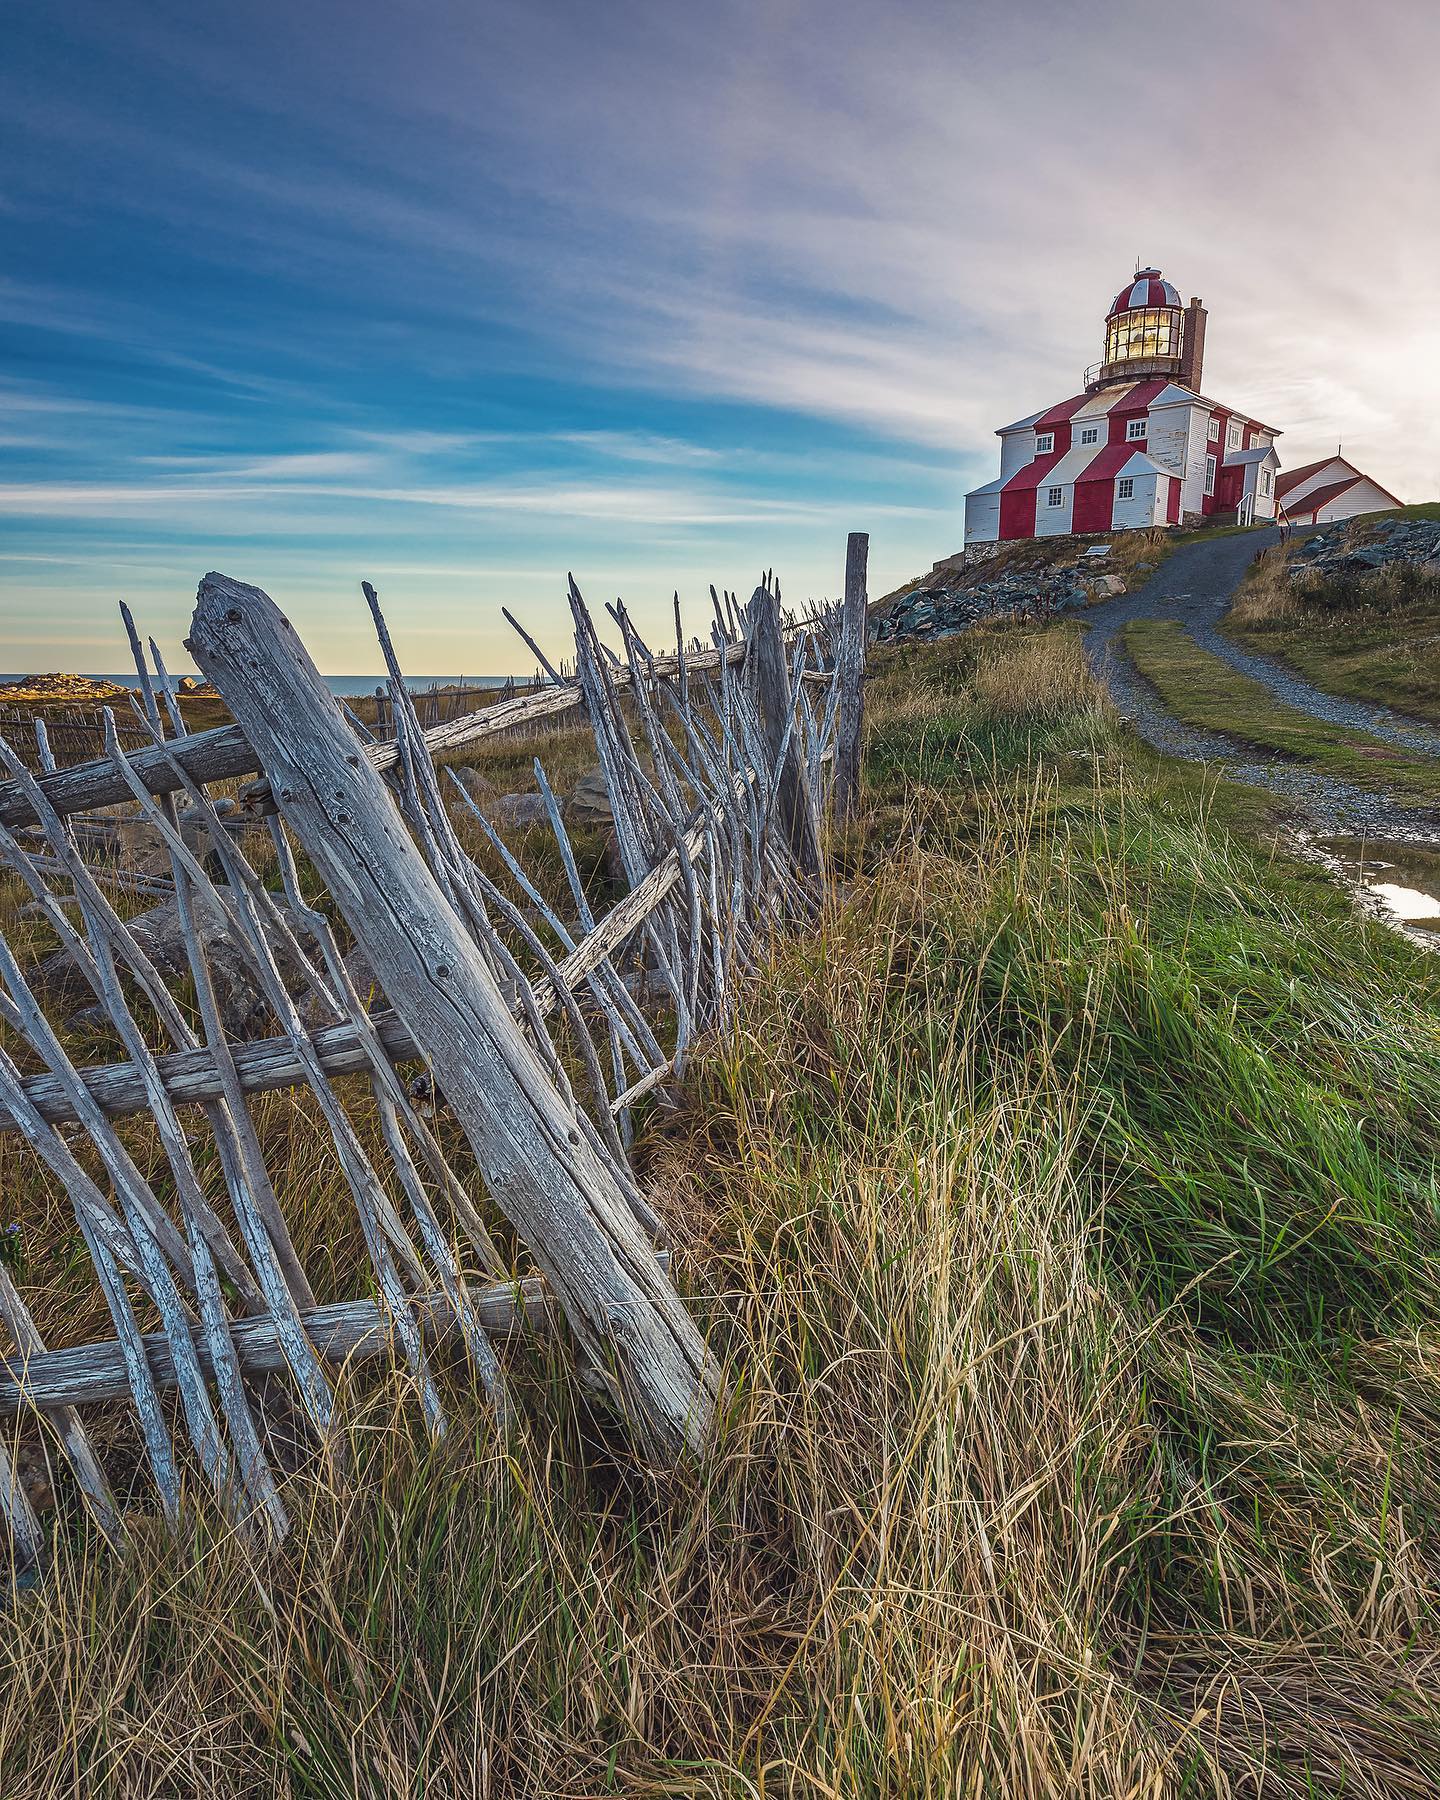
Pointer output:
x,y
459,297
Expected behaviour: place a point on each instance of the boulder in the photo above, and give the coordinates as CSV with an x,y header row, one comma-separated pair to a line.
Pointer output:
x,y
1105,587
518,810
474,783
243,1008
588,803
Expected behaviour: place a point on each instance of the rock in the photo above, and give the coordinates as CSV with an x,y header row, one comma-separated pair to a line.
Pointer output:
x,y
1105,587
518,810
588,803
243,1008
474,783
79,688
187,684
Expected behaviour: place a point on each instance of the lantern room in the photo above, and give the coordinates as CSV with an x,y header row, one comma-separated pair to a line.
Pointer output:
x,y
1148,332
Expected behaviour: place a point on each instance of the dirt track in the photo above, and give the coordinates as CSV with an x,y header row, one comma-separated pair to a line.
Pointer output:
x,y
1194,586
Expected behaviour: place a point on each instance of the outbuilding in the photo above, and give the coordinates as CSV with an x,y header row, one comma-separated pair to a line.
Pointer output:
x,y
1330,489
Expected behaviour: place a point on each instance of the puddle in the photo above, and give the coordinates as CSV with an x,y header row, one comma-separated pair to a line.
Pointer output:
x,y
1402,880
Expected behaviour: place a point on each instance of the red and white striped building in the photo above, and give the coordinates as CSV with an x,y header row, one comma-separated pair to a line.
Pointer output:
x,y
1140,446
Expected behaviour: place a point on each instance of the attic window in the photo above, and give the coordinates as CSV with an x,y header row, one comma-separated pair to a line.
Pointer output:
x,y
1090,435
1125,488
1044,442
1135,429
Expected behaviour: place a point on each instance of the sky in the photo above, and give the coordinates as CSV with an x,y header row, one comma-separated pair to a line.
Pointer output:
x,y
458,297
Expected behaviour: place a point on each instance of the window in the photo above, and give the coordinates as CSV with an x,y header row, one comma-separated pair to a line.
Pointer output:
x,y
1209,474
1264,481
1135,429
1125,488
1214,431
1044,443
1143,335
1054,496
1090,435
1233,434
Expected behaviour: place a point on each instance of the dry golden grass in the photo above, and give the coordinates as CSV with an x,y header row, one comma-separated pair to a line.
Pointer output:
x,y
1061,1211
1035,676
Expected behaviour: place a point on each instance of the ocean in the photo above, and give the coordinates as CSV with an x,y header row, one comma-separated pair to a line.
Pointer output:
x,y
345,687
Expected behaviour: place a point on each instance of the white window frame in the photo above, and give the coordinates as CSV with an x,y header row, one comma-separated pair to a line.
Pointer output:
x,y
1125,488
1211,464
1044,442
1212,430
1234,435
1090,434
1055,496
1264,481
1136,430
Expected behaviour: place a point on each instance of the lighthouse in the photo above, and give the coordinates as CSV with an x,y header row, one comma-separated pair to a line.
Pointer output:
x,y
1139,446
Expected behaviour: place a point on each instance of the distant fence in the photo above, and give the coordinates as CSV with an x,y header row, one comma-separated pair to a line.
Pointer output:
x,y
534,1030
439,704
73,734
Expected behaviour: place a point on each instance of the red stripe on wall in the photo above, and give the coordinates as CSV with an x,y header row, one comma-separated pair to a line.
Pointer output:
x,y
1017,513
1095,491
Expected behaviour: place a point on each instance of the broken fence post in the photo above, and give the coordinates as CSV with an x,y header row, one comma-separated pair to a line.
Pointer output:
x,y
539,1166
795,803
850,661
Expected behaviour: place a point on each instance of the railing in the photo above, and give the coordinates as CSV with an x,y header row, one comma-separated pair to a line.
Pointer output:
x,y
1101,374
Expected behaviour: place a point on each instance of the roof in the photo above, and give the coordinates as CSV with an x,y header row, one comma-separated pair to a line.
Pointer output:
x,y
1322,496
1020,424
1256,454
1149,288
1293,477
1119,397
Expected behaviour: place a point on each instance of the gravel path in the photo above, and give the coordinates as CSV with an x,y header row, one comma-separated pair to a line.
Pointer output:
x,y
1194,586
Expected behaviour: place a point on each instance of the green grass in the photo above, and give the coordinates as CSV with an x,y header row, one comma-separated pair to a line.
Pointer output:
x,y
1205,692
1375,637
1064,1207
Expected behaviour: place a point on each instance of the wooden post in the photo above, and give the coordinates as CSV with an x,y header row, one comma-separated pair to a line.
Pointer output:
x,y
850,663
540,1168
795,802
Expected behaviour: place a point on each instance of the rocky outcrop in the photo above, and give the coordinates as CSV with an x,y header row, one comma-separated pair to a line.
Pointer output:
x,y
80,690
1345,550
958,596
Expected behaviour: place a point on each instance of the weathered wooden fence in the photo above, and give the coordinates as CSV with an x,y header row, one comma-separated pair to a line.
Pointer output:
x,y
540,1033
67,735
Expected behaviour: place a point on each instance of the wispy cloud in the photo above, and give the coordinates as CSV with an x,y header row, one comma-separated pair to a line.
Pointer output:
x,y
526,286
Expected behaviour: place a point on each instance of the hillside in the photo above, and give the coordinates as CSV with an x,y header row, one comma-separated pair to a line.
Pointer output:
x,y
1355,608
1064,1210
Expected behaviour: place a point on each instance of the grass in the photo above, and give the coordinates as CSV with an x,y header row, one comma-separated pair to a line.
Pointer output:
x,y
1065,1211
1375,637
1207,693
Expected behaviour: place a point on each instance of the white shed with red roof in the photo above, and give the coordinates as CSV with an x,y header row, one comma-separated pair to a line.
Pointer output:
x,y
1330,489
1141,446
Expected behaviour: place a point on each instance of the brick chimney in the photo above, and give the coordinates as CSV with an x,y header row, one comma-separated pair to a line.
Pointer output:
x,y
1192,349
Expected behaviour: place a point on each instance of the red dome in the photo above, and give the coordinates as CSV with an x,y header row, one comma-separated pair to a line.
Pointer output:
x,y
1148,288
